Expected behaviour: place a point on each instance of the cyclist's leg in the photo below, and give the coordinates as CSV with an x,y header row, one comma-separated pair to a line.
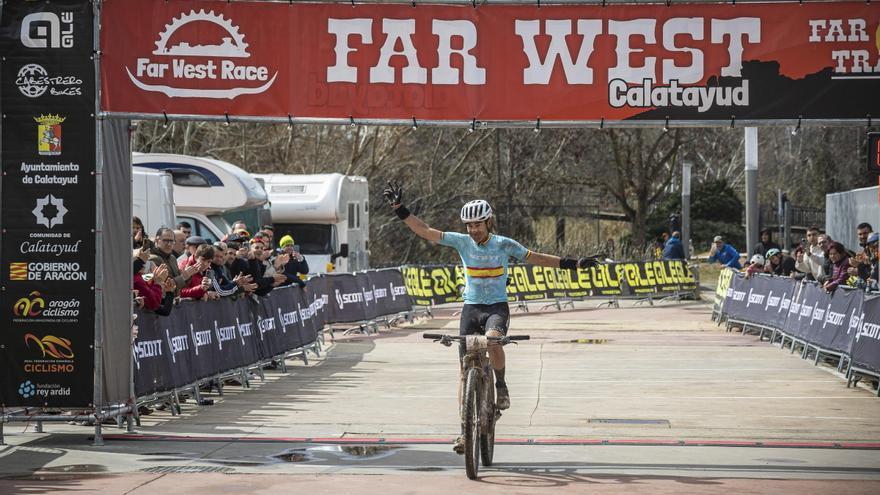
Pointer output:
x,y
496,326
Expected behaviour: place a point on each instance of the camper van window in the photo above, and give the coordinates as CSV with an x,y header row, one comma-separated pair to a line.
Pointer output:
x,y
351,215
312,238
199,229
188,178
220,223
357,224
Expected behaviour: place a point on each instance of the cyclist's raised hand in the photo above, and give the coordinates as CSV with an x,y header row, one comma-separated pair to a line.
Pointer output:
x,y
393,193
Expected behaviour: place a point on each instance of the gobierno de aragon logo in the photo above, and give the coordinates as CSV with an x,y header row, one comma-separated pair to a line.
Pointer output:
x,y
200,55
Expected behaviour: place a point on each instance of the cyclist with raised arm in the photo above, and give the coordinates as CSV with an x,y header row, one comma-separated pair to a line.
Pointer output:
x,y
484,257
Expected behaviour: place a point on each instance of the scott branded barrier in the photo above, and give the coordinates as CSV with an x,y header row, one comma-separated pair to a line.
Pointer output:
x,y
429,285
845,322
201,339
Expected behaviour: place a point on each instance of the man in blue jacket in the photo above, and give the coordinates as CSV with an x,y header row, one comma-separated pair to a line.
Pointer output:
x,y
673,250
724,253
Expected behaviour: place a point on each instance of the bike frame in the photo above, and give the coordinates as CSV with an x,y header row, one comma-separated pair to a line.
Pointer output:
x,y
477,357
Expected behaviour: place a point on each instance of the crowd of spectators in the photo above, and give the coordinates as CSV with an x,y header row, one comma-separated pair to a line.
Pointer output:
x,y
175,265
817,257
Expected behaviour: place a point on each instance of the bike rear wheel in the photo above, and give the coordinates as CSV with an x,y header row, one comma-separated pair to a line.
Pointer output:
x,y
487,433
472,424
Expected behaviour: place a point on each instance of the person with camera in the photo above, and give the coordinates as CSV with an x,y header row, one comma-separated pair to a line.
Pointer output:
x,y
297,265
259,267
724,253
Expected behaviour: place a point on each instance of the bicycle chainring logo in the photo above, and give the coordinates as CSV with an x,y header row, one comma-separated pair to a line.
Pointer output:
x,y
198,67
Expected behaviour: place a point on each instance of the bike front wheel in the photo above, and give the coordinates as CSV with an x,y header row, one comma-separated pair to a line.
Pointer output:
x,y
487,432
472,424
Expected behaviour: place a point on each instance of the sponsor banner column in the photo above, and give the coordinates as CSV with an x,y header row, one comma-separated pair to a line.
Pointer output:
x,y
48,204
866,336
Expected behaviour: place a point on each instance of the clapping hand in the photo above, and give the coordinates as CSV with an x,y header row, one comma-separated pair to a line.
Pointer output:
x,y
160,274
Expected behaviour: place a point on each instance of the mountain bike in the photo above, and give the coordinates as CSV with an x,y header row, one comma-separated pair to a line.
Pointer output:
x,y
478,412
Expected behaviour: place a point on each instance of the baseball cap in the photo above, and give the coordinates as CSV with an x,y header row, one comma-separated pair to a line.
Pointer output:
x,y
873,238
195,240
718,238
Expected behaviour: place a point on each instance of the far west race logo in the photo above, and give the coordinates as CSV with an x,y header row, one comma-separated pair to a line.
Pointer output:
x,y
49,134
199,55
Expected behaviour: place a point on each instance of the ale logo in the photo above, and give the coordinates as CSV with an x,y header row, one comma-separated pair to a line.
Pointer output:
x,y
49,134
47,30
32,305
50,345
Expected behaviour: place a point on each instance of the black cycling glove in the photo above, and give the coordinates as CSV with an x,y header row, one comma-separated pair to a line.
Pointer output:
x,y
587,262
573,264
394,195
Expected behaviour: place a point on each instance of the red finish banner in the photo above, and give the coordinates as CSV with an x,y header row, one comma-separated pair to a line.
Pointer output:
x,y
492,63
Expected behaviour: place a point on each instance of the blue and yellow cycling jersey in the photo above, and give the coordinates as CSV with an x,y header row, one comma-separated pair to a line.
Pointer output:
x,y
485,265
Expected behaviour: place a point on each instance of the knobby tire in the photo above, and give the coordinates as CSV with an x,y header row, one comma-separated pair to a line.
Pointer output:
x,y
472,424
487,434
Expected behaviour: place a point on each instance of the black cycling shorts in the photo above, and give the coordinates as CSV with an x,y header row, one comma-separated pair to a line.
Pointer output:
x,y
477,318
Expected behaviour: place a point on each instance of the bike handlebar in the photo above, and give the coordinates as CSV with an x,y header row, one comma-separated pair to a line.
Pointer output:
x,y
438,336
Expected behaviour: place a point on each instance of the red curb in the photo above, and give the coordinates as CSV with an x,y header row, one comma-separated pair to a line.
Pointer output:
x,y
507,441
644,442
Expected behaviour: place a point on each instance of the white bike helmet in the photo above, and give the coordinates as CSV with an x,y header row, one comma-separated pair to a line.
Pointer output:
x,y
758,259
477,210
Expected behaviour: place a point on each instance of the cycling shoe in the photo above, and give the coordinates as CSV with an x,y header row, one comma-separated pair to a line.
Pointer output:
x,y
502,398
458,446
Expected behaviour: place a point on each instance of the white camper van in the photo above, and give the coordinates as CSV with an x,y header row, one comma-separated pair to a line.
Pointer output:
x,y
326,214
210,194
152,199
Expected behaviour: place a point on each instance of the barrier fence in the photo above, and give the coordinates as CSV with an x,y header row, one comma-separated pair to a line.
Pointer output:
x,y
844,324
199,340
439,284
206,341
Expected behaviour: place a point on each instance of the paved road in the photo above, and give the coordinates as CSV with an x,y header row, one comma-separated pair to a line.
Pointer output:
x,y
635,400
